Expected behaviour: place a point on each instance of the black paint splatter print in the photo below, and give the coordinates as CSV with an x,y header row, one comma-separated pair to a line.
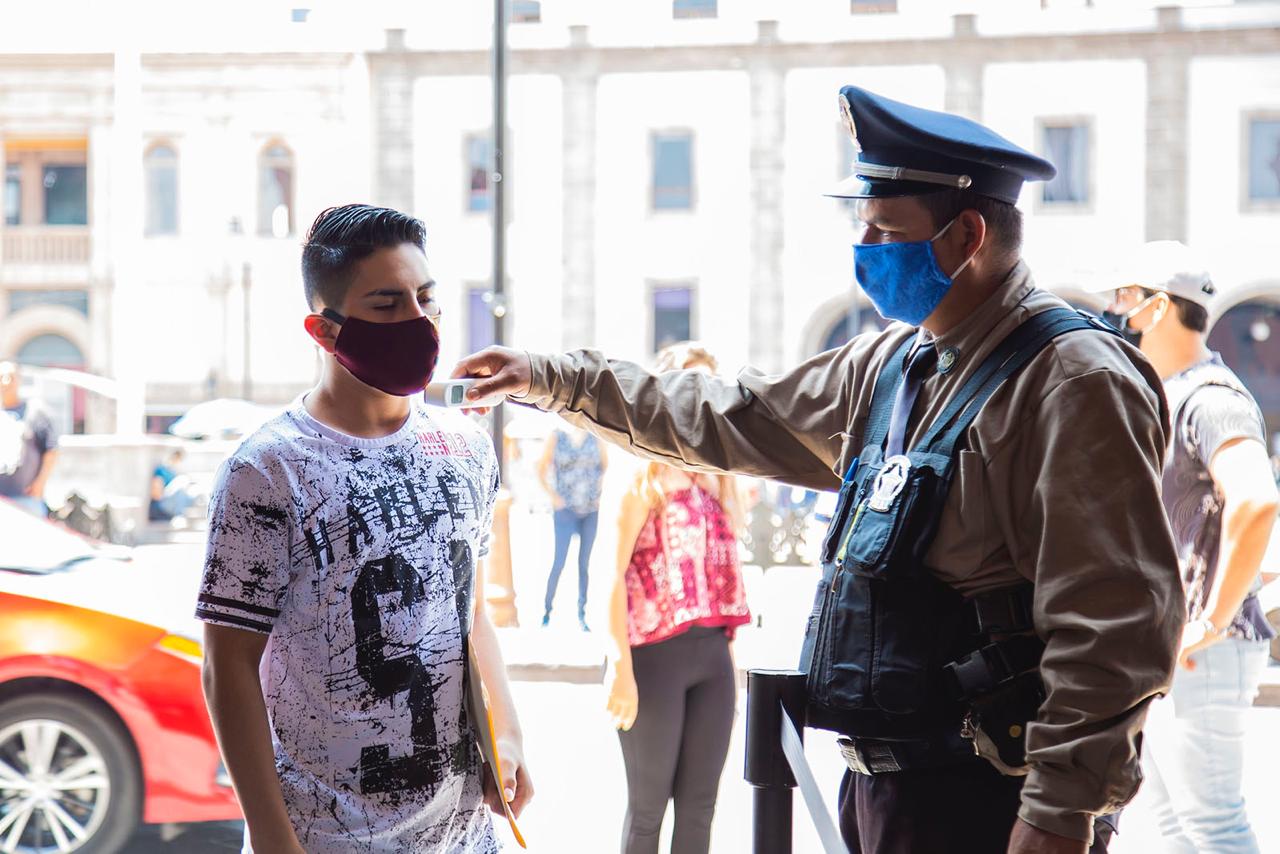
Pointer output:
x,y
358,558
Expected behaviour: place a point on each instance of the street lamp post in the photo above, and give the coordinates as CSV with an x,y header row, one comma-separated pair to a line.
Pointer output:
x,y
500,586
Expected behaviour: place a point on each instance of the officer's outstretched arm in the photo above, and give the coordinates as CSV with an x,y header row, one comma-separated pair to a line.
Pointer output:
x,y
787,427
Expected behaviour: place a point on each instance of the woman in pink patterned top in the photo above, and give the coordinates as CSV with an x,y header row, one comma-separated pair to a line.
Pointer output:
x,y
677,600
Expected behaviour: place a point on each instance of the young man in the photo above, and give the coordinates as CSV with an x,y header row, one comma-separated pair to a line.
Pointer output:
x,y
340,588
1221,502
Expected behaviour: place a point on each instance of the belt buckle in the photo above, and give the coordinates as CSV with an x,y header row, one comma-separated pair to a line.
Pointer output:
x,y
852,757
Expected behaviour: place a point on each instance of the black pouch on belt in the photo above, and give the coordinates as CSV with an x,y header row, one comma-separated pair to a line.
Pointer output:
x,y
997,722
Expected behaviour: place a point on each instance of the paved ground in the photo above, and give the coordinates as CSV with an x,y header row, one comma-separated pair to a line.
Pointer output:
x,y
574,757
573,752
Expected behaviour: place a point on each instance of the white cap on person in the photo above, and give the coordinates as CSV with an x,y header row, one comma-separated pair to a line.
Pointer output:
x,y
1168,266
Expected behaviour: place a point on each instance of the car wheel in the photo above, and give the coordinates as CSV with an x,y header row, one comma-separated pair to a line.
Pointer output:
x,y
68,778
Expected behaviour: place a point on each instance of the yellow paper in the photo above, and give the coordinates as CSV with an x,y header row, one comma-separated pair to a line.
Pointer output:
x,y
482,720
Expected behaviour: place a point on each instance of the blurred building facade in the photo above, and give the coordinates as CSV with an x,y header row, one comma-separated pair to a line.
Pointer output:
x,y
665,166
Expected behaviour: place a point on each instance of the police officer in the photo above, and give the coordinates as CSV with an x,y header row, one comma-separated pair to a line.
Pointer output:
x,y
1042,515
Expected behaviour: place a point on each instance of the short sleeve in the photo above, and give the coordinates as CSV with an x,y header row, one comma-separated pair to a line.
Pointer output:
x,y
491,501
44,432
1215,415
246,568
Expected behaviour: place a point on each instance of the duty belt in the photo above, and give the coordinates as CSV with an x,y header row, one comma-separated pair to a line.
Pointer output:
x,y
871,756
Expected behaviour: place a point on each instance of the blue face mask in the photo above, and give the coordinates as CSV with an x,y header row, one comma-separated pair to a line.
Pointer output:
x,y
903,280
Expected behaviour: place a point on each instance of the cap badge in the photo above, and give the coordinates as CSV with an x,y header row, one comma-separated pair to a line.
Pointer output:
x,y
846,113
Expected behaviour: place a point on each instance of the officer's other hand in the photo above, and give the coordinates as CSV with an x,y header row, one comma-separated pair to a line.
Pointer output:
x,y
624,698
1029,839
506,371
1195,637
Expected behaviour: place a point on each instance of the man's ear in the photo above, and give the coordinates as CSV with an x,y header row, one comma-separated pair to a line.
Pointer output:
x,y
973,228
322,331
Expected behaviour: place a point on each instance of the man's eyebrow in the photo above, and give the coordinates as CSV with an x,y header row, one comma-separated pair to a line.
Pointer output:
x,y
395,292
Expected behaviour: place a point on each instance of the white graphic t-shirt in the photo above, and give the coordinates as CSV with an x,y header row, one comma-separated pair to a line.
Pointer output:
x,y
357,558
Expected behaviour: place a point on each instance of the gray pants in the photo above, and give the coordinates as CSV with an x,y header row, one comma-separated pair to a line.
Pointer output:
x,y
680,739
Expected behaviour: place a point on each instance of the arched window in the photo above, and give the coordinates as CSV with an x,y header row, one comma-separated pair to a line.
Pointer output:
x,y
862,319
160,167
1248,337
275,191
66,405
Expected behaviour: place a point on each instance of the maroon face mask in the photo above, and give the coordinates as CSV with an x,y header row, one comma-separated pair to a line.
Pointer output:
x,y
397,358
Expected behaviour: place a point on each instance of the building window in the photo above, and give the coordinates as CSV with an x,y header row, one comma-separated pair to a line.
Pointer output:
x,y
13,194
299,15
479,319
693,9
66,195
859,7
672,171
672,315
75,300
526,12
1264,159
859,320
479,165
160,168
275,191
51,351
1067,147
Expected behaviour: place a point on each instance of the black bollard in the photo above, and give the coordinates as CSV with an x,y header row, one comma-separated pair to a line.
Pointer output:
x,y
767,771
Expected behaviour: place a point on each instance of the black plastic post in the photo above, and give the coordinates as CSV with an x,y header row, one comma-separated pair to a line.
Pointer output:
x,y
768,692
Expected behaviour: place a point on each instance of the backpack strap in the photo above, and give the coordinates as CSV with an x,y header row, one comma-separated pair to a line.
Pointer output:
x,y
1012,354
882,398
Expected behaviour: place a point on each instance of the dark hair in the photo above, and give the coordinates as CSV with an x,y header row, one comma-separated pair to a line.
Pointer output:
x,y
1004,221
342,236
1192,315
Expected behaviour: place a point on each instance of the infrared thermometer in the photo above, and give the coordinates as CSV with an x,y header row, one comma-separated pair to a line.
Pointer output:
x,y
453,394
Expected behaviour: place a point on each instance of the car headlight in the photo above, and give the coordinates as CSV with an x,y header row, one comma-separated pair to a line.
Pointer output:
x,y
181,647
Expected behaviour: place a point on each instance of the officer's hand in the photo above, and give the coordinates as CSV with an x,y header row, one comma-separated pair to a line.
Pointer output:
x,y
1029,839
509,372
1195,637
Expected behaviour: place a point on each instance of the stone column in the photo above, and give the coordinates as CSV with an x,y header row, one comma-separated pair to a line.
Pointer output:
x,y
578,297
129,352
391,85
1168,77
964,74
768,136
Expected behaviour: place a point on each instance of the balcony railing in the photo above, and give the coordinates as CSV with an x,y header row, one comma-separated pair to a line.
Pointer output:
x,y
54,244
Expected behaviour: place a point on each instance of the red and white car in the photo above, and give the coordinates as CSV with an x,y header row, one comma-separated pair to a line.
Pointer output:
x,y
102,719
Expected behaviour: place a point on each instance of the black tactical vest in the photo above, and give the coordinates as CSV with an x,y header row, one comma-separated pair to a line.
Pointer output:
x,y
884,629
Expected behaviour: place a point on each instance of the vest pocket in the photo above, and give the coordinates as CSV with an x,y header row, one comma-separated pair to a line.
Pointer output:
x,y
904,660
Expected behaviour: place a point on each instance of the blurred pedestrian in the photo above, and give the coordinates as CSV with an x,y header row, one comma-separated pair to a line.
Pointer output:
x,y
28,445
171,493
571,470
677,600
1221,501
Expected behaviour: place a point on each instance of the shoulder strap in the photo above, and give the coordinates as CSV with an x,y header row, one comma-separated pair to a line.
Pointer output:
x,y
882,398
1012,354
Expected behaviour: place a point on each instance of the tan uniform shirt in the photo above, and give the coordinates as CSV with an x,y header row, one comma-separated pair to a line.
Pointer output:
x,y
1059,484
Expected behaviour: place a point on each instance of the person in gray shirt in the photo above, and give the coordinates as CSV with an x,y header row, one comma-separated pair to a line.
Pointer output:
x,y
1220,497
28,445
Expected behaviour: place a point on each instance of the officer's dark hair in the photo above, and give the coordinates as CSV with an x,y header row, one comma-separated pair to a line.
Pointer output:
x,y
342,236
1192,315
1004,221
